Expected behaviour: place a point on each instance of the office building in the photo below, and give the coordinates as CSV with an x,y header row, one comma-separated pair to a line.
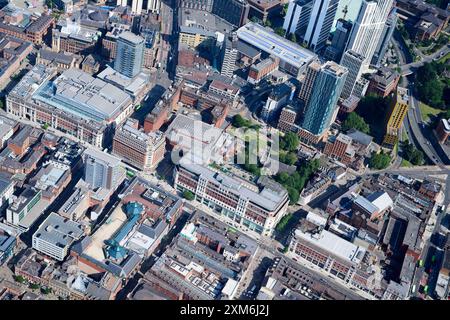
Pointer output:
x,y
311,21
319,26
6,187
443,131
137,148
239,203
353,62
232,11
293,58
288,115
278,98
55,236
152,6
7,245
368,28
130,54
339,41
397,113
383,82
203,262
109,40
12,52
135,5
7,128
102,170
51,179
341,259
322,103
298,16
340,148
262,69
16,23
70,36
308,81
157,117
385,38
198,27
263,9
426,20
138,6
24,209
360,88
75,102
229,58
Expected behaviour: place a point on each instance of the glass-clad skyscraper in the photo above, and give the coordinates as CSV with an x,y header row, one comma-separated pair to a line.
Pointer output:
x,y
326,89
130,54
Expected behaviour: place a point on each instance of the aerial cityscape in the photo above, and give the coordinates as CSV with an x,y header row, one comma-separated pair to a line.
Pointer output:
x,y
225,150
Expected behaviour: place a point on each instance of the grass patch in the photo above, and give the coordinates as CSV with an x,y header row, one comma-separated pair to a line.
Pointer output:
x,y
406,163
284,222
444,58
404,135
428,111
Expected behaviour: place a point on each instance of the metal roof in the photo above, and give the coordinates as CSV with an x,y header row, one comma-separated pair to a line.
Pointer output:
x,y
270,42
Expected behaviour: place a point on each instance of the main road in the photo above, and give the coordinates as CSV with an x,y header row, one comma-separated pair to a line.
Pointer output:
x,y
409,68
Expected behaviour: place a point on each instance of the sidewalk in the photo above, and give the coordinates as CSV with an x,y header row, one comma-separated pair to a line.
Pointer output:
x,y
335,279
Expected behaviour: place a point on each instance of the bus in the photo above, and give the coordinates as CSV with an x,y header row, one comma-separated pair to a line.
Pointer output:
x,y
130,173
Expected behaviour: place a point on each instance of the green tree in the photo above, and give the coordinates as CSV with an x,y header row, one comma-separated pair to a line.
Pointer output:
x,y
431,92
19,279
284,222
294,195
34,286
46,290
238,121
379,161
298,179
280,31
268,23
293,37
412,154
288,158
354,121
431,89
188,195
289,142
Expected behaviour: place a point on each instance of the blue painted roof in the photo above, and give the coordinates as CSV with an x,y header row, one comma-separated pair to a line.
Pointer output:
x,y
133,209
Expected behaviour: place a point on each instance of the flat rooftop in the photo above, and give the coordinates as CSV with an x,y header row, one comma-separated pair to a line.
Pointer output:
x,y
111,160
268,41
131,37
32,81
403,95
59,231
334,244
79,93
266,198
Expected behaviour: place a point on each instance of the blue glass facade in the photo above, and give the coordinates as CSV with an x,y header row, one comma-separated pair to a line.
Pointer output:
x,y
325,93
